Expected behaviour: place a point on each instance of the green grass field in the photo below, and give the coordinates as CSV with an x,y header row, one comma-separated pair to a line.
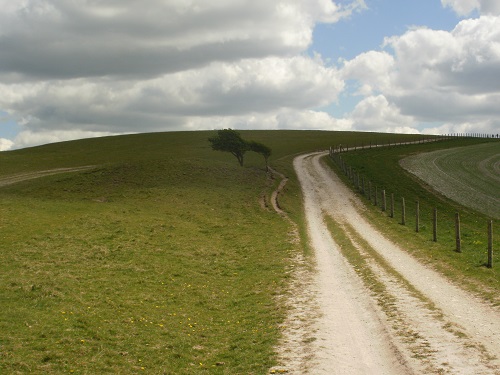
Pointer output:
x,y
163,258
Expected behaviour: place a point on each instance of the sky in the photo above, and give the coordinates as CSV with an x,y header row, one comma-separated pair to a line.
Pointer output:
x,y
73,69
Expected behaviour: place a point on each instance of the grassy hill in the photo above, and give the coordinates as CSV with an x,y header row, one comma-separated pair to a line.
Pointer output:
x,y
162,258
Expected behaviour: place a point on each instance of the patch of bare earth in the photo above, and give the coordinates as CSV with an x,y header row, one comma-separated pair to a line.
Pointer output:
x,y
430,326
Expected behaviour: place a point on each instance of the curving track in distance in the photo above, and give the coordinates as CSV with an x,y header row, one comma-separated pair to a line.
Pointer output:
x,y
468,175
13,179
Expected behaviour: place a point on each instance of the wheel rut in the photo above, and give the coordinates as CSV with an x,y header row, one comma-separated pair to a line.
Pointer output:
x,y
381,311
13,179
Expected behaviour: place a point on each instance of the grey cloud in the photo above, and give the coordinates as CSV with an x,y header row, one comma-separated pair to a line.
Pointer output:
x,y
481,78
51,61
490,7
465,7
116,66
221,89
431,106
142,39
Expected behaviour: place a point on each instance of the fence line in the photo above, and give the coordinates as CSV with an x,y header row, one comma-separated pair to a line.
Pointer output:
x,y
370,192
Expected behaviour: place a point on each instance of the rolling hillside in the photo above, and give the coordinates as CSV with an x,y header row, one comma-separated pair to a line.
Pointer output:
x,y
160,256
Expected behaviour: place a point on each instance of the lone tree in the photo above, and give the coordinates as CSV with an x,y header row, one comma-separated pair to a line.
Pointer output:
x,y
261,149
229,140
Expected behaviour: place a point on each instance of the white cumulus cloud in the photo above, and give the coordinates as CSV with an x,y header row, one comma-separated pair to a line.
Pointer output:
x,y
103,105
434,76
466,7
5,144
375,113
70,68
372,69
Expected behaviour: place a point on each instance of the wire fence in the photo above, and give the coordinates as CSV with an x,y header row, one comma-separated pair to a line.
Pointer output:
x,y
387,201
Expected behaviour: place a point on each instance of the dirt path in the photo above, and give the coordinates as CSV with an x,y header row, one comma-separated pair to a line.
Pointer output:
x,y
429,326
12,179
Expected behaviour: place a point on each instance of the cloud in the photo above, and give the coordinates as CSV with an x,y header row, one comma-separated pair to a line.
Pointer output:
x,y
437,76
28,138
54,39
316,120
466,7
105,67
251,85
73,69
461,7
5,144
372,69
375,113
282,119
484,127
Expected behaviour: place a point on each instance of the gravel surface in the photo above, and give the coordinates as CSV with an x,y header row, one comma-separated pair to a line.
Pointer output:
x,y
431,326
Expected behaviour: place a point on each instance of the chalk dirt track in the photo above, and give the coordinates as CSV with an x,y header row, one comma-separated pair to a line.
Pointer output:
x,y
13,179
338,325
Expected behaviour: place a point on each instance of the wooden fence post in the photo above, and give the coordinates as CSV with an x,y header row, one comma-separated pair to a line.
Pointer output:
x,y
376,196
403,212
490,244
369,191
457,233
392,205
435,225
384,203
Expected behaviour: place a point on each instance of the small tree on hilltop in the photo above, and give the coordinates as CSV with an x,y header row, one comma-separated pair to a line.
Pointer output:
x,y
229,140
261,149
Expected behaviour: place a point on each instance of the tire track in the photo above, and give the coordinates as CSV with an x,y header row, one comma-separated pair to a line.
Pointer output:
x,y
440,328
350,337
13,179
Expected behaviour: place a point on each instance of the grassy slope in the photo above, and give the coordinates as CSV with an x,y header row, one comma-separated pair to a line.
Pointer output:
x,y
161,259
382,168
469,175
